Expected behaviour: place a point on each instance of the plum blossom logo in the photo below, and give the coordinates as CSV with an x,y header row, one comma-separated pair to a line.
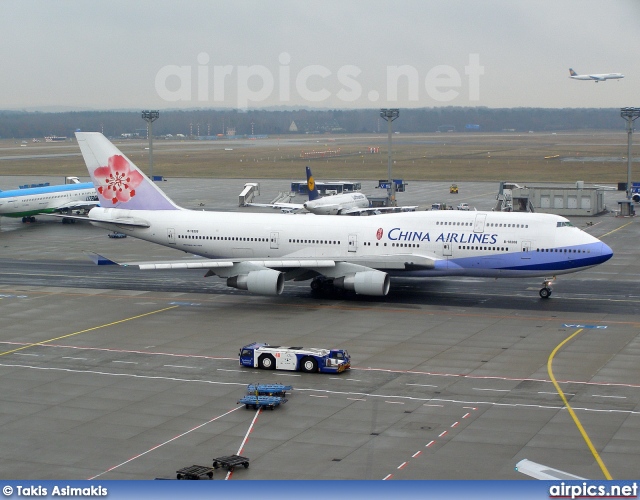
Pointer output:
x,y
379,233
117,181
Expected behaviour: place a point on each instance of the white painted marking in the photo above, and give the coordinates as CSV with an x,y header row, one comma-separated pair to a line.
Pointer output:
x,y
25,354
466,415
416,454
316,396
354,379
182,366
357,399
69,357
288,375
388,476
402,465
424,385
224,370
394,402
432,405
429,444
601,396
555,393
126,362
442,433
494,390
455,424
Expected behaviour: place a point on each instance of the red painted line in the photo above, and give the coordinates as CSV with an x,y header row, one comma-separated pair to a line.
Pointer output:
x,y
416,454
466,415
442,433
455,424
388,476
428,445
402,465
246,438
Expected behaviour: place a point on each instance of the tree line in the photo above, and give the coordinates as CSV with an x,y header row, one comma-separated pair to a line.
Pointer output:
x,y
22,124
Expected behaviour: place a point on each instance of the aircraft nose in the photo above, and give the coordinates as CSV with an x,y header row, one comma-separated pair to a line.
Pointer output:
x,y
605,252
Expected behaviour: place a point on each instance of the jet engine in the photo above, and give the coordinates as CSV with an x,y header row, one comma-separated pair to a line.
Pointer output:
x,y
636,197
264,282
365,283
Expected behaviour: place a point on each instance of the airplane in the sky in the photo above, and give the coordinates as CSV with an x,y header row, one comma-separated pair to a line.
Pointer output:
x,y
337,204
61,199
258,252
596,78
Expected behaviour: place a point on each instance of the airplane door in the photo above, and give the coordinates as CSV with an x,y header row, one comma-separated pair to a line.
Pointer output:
x,y
526,248
446,250
171,236
353,242
274,240
479,223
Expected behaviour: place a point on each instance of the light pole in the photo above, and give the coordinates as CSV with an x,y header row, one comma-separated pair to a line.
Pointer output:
x,y
150,117
631,115
390,115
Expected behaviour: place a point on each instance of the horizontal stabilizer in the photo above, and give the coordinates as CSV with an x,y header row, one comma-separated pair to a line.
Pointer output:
x,y
99,260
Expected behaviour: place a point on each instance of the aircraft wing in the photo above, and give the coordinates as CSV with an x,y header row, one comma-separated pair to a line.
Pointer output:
x,y
74,205
330,267
539,471
281,206
379,210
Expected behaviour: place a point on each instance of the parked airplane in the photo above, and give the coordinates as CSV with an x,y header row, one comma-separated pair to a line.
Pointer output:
x,y
337,204
259,252
595,78
62,199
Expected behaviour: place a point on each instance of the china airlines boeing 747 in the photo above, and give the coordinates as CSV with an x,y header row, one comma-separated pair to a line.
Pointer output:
x,y
259,252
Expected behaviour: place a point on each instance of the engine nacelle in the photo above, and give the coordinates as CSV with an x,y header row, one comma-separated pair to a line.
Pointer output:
x,y
264,282
636,197
365,283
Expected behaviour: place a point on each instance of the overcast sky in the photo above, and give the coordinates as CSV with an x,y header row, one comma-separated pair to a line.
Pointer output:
x,y
161,54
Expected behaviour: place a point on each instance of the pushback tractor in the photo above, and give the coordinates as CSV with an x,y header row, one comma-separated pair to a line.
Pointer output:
x,y
304,359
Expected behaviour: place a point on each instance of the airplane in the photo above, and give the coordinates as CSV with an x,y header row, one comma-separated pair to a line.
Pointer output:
x,y
596,78
337,204
258,252
60,199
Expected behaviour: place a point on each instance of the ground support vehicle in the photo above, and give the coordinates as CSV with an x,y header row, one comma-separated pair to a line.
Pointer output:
x,y
453,189
268,389
195,472
304,359
266,402
230,462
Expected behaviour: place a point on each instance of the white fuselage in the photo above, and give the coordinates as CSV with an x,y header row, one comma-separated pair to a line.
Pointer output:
x,y
42,200
336,204
493,244
598,77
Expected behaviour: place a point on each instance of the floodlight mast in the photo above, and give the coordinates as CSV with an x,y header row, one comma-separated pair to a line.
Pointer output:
x,y
150,117
631,115
390,115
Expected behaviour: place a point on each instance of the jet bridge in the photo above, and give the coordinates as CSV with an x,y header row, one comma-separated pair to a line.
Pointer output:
x,y
251,189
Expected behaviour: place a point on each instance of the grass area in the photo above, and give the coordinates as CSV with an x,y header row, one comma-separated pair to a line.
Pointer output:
x,y
453,157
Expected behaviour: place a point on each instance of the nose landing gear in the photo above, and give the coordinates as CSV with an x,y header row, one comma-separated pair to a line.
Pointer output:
x,y
545,291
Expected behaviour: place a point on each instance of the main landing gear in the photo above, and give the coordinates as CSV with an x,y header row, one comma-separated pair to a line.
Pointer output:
x,y
545,291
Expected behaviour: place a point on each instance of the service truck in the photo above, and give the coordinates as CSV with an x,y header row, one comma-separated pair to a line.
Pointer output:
x,y
304,359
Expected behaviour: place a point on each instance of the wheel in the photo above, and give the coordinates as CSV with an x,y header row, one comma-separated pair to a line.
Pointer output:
x,y
545,293
267,362
215,465
308,365
179,476
210,475
32,219
247,406
231,469
316,285
246,465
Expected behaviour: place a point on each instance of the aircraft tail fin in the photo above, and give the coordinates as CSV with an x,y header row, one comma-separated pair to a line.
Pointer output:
x,y
118,181
311,185
572,73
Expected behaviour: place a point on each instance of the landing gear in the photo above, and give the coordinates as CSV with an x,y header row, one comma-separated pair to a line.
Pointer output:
x,y
545,291
28,219
324,286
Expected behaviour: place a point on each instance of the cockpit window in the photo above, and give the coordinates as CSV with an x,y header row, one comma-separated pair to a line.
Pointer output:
x,y
564,224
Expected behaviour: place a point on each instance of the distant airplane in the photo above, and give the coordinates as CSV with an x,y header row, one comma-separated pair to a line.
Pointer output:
x,y
259,252
337,204
61,199
596,78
